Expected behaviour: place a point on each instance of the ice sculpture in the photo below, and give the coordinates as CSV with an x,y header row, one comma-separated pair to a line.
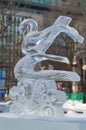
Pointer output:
x,y
35,93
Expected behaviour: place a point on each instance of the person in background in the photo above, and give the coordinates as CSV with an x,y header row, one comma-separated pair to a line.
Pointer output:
x,y
59,86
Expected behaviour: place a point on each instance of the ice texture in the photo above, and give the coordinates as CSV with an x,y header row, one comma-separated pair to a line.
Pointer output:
x,y
35,92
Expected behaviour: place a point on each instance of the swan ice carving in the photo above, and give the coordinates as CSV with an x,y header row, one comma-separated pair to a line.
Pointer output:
x,y
35,93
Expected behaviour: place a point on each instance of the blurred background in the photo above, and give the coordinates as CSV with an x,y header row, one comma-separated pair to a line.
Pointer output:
x,y
45,12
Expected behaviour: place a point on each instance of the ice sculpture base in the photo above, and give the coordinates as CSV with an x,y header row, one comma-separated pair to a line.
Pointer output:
x,y
41,124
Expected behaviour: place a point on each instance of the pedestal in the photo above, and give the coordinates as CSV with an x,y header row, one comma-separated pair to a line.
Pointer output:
x,y
39,124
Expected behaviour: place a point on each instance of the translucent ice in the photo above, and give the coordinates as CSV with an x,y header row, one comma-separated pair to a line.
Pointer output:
x,y
35,93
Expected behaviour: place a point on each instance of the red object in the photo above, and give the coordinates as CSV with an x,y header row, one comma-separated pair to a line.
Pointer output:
x,y
59,85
